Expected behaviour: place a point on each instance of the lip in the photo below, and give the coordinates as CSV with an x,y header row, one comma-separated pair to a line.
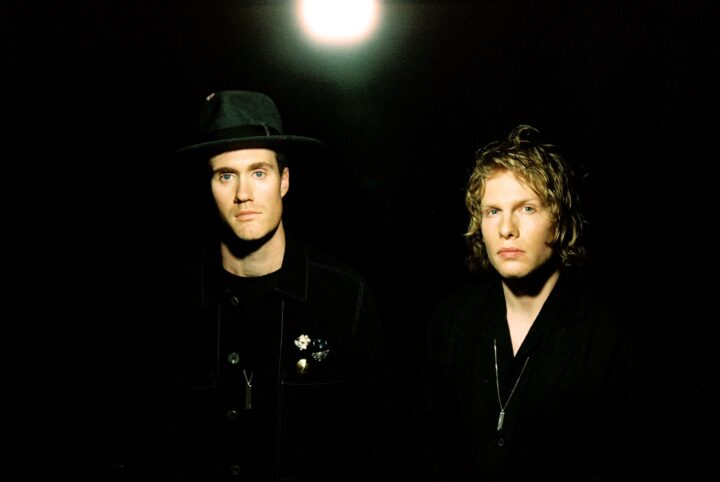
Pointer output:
x,y
246,214
510,253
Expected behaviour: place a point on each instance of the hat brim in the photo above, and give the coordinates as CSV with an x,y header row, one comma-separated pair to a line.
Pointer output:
x,y
290,146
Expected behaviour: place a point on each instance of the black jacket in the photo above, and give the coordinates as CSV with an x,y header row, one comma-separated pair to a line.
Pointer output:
x,y
570,417
321,423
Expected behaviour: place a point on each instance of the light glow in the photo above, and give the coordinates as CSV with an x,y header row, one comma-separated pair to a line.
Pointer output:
x,y
338,22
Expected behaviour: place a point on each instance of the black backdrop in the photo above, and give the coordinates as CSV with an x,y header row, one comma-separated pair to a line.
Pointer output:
x,y
99,93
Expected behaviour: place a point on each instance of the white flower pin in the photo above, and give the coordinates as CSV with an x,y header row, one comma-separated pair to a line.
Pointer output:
x,y
302,342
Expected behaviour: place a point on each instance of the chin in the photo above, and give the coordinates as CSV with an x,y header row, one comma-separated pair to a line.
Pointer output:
x,y
514,275
512,272
250,237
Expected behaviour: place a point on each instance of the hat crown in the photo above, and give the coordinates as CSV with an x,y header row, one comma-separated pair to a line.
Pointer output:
x,y
231,109
243,119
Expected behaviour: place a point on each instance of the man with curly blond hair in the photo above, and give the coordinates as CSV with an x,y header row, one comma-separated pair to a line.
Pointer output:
x,y
529,366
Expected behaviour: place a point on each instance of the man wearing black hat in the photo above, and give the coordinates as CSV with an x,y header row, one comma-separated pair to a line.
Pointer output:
x,y
270,361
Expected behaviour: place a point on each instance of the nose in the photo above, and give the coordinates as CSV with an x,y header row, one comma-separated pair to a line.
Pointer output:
x,y
508,226
243,193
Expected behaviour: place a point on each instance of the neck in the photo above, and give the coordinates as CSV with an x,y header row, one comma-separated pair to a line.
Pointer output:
x,y
254,258
524,298
528,296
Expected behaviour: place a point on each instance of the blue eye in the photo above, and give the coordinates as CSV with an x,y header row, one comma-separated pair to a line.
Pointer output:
x,y
225,176
259,174
529,209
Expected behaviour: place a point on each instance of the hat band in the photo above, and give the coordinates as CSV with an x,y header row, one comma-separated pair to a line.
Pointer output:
x,y
263,130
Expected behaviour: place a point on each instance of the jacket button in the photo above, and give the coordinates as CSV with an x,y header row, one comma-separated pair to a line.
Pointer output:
x,y
235,470
233,358
501,442
232,415
234,300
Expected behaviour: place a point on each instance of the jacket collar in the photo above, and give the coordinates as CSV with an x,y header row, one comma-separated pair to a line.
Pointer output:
x,y
294,276
564,306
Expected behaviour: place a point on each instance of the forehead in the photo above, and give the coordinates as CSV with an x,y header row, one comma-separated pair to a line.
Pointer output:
x,y
244,158
504,185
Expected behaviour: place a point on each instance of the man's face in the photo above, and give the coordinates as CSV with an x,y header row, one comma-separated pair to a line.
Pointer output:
x,y
516,226
248,190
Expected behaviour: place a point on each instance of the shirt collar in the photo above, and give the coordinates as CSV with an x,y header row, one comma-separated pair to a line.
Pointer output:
x,y
293,280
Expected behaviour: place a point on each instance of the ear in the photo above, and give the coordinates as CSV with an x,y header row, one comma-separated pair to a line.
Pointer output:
x,y
284,181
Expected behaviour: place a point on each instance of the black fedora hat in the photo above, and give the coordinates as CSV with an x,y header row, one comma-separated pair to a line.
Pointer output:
x,y
241,119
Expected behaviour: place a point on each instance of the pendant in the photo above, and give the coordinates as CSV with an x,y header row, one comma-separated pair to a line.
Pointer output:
x,y
248,396
248,389
501,418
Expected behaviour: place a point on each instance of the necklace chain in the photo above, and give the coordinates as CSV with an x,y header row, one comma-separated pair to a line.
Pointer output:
x,y
248,381
248,389
501,416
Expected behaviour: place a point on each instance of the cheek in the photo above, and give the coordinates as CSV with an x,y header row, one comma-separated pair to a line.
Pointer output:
x,y
546,233
221,195
550,228
216,194
486,227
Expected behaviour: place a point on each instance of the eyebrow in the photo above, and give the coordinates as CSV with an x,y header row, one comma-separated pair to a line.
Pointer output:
x,y
519,202
251,167
260,165
224,170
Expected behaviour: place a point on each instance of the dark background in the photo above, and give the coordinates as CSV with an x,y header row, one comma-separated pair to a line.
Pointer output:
x,y
98,94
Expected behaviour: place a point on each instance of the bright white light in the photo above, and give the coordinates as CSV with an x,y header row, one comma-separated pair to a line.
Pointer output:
x,y
338,22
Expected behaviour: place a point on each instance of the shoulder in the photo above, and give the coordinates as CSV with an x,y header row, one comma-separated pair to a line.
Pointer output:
x,y
171,273
331,286
324,264
190,262
468,296
169,288
604,293
314,273
463,305
603,307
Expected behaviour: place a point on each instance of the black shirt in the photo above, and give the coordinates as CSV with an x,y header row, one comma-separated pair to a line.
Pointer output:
x,y
568,416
